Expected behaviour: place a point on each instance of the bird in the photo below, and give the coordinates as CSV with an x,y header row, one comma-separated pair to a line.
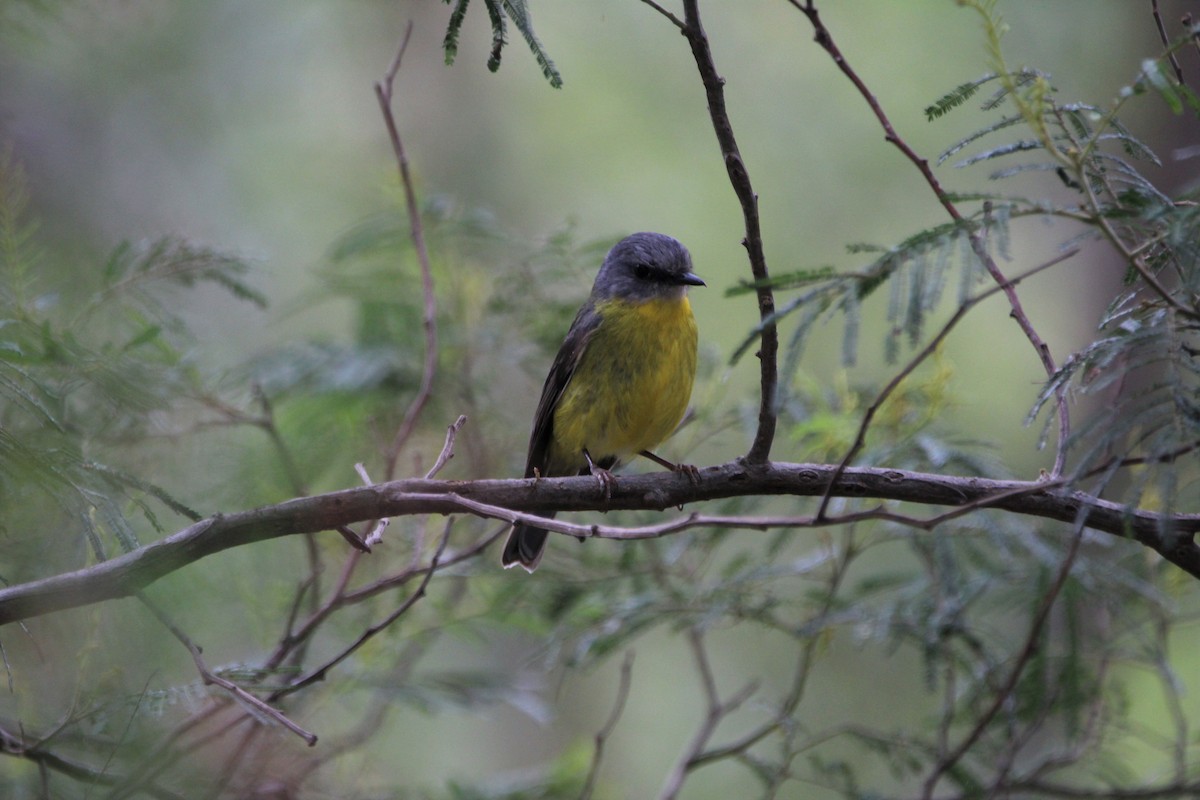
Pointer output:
x,y
622,379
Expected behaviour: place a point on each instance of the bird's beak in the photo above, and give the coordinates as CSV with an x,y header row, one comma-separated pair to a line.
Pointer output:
x,y
692,279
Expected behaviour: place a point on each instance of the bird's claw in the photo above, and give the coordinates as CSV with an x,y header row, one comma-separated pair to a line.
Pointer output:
x,y
691,471
607,480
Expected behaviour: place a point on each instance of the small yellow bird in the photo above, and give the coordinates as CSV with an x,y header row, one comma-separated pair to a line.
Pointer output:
x,y
622,379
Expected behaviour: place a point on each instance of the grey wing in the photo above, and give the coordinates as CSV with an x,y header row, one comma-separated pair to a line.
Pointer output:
x,y
573,346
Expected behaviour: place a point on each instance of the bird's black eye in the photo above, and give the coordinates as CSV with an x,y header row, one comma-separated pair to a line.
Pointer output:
x,y
642,271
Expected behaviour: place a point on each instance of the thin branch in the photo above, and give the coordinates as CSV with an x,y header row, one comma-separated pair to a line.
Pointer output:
x,y
13,744
1004,694
614,717
320,672
803,669
676,21
447,452
716,710
1166,40
404,576
375,527
1125,463
297,636
739,178
257,707
383,92
400,673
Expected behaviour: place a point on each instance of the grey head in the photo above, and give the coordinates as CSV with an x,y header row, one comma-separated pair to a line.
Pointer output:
x,y
645,266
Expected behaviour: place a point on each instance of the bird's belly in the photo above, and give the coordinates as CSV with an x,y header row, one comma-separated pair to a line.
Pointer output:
x,y
632,385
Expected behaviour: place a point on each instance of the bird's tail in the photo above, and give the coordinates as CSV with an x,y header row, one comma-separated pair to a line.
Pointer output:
x,y
524,547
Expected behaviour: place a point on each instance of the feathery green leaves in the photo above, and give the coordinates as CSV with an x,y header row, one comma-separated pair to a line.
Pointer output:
x,y
88,357
499,11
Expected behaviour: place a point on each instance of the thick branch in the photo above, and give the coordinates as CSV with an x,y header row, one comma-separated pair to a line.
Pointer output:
x,y
121,577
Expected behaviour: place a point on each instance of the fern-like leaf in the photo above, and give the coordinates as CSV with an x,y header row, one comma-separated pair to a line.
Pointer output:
x,y
499,34
518,12
454,29
498,12
955,97
1022,146
1000,125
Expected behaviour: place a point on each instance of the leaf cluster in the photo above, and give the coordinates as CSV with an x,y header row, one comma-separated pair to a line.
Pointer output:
x,y
500,12
90,356
1141,367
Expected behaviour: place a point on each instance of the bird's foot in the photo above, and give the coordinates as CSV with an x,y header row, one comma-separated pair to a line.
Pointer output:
x,y
692,472
607,480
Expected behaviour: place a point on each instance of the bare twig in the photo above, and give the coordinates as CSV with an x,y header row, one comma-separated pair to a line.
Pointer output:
x,y
405,661
320,672
256,706
715,711
383,92
614,717
1002,696
406,575
447,452
1166,40
376,529
298,636
12,744
676,21
803,669
739,178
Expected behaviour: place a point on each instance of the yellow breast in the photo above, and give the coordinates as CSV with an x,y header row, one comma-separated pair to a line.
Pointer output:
x,y
631,387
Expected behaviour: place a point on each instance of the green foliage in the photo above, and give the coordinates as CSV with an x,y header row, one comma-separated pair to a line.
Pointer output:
x,y
1142,363
88,357
945,610
960,94
499,11
916,271
1178,96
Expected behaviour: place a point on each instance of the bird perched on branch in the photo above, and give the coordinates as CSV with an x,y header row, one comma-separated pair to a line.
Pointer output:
x,y
622,378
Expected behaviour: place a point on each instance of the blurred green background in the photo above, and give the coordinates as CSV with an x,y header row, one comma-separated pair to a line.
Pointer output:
x,y
253,127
